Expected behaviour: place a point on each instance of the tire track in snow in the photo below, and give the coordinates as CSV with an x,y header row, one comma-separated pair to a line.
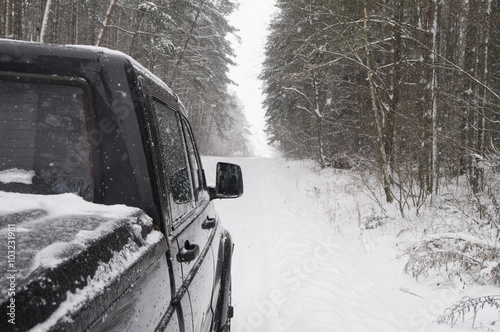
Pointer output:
x,y
247,221
319,276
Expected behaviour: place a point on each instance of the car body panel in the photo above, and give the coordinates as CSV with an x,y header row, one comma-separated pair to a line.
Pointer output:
x,y
159,289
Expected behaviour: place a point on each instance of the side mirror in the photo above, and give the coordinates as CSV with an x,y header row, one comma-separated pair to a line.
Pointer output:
x,y
228,183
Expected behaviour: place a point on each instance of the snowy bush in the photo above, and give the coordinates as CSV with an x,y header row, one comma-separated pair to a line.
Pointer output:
x,y
460,241
470,306
462,237
472,259
373,221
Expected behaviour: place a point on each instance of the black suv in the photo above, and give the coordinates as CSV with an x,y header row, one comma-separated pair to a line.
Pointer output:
x,y
106,221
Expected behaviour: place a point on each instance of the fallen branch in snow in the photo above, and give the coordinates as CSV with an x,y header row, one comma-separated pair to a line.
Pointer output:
x,y
406,290
469,306
457,254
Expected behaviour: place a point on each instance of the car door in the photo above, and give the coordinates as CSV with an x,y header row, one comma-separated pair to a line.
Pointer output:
x,y
202,287
192,258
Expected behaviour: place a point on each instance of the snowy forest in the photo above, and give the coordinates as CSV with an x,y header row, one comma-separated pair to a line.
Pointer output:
x,y
409,93
182,42
412,85
405,94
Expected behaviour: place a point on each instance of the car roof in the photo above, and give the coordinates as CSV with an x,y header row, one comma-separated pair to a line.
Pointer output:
x,y
51,59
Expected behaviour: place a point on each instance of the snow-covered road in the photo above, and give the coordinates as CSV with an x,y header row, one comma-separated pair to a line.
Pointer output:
x,y
302,263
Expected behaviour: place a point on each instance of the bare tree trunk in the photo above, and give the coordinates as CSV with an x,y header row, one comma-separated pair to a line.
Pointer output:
x,y
389,137
319,123
106,22
9,33
45,22
484,101
387,188
474,82
76,18
136,31
3,18
487,16
434,93
17,20
55,23
482,98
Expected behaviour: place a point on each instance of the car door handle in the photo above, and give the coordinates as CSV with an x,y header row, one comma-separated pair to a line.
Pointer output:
x,y
188,253
208,223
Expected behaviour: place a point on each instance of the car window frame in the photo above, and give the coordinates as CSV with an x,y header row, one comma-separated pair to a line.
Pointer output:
x,y
175,222
189,138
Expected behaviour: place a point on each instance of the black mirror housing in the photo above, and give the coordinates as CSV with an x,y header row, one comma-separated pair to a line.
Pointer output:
x,y
229,181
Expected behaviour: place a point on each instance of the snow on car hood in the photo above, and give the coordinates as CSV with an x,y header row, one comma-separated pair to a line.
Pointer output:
x,y
48,229
67,251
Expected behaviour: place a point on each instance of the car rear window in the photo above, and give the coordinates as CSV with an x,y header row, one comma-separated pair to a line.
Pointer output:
x,y
44,146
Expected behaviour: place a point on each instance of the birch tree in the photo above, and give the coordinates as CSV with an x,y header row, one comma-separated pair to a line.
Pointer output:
x,y
434,94
45,22
383,155
105,24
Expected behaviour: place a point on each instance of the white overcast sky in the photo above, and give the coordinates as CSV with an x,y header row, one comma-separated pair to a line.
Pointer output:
x,y
251,19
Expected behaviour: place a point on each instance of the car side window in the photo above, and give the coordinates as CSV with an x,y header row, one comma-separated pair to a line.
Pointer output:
x,y
177,171
193,159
